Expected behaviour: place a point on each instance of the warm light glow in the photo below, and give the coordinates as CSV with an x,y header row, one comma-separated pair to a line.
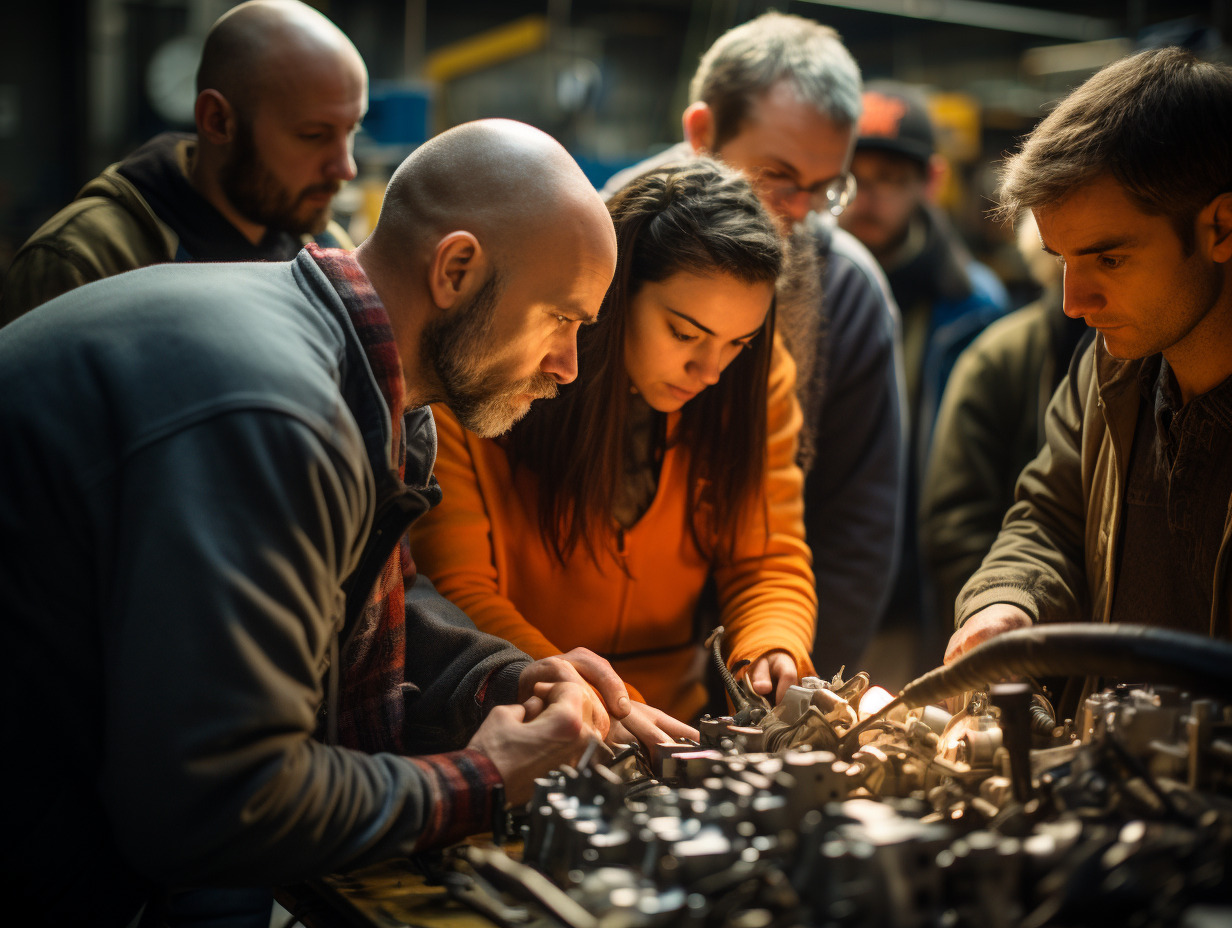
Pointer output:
x,y
875,699
960,725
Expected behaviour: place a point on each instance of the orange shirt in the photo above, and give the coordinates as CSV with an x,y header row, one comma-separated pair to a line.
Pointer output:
x,y
482,548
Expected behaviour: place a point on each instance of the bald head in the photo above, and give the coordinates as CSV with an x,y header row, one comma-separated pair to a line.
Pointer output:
x,y
507,183
258,45
491,250
281,93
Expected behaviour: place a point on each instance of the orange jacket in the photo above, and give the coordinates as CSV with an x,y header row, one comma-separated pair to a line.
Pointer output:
x,y
482,548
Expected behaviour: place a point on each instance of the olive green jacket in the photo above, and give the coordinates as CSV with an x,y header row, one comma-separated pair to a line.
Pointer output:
x,y
109,228
1056,554
989,427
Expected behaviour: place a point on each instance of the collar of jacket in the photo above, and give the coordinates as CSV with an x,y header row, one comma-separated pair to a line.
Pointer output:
x,y
1116,383
1118,397
399,501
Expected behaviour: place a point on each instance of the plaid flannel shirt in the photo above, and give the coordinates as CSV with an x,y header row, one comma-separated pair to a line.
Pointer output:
x,y
371,694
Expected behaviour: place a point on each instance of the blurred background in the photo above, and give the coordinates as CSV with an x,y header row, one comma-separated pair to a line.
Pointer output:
x,y
83,82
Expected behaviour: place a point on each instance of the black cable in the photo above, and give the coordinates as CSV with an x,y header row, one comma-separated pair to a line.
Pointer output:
x,y
1157,655
715,643
1076,649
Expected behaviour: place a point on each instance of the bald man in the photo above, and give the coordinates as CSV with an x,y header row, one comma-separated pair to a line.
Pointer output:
x,y
280,94
212,465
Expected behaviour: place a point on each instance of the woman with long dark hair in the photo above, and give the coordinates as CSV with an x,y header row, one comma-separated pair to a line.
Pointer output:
x,y
596,521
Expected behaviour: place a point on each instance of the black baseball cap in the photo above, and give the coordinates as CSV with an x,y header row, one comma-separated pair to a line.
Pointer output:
x,y
895,119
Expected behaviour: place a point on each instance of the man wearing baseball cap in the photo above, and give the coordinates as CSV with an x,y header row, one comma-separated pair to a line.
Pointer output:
x,y
945,296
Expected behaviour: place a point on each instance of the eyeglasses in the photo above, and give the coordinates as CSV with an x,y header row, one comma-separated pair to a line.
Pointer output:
x,y
828,196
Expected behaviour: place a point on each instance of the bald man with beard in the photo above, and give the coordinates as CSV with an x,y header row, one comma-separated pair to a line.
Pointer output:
x,y
240,680
281,92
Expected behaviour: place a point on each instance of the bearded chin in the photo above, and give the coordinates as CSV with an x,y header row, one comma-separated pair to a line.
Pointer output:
x,y
313,224
490,412
482,394
494,417
253,190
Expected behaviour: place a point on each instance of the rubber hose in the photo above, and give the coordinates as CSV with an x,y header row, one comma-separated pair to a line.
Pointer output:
x,y
1127,652
1042,721
729,682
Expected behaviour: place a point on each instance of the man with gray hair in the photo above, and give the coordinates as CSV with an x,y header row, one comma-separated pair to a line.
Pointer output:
x,y
1123,516
779,97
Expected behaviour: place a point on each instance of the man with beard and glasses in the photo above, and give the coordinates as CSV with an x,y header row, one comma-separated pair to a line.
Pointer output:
x,y
280,94
228,455
779,98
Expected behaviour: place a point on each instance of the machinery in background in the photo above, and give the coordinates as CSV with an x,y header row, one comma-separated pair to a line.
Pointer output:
x,y
847,806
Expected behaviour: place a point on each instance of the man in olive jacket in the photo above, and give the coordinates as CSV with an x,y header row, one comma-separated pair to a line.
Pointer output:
x,y
280,94
1123,516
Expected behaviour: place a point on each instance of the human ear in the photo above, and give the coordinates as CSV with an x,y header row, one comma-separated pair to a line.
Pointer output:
x,y
698,122
1220,225
456,267
215,117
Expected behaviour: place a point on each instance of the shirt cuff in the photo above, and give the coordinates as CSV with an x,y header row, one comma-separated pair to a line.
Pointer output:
x,y
462,796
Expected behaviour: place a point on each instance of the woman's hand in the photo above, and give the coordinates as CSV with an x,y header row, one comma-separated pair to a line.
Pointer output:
x,y
771,674
649,726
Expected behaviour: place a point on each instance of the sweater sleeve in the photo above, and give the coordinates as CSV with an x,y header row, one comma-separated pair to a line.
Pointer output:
x,y
452,545
766,594
458,674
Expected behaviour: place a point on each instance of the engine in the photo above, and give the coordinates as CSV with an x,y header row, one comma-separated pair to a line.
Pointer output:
x,y
949,804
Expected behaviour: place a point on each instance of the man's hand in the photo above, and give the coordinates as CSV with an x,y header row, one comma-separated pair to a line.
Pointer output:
x,y
630,721
771,674
989,622
551,728
607,691
649,726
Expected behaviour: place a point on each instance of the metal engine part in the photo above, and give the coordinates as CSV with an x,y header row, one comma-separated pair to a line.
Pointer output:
x,y
842,807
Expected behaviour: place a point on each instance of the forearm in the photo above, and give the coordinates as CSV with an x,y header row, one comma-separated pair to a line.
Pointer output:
x,y
321,810
766,594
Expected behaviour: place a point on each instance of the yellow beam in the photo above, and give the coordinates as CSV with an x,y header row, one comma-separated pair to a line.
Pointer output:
x,y
477,52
